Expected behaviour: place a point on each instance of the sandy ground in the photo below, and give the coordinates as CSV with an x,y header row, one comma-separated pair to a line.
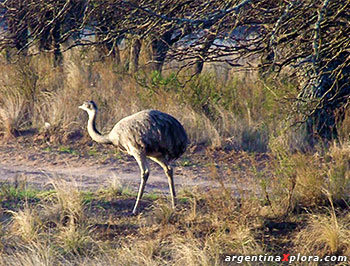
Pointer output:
x,y
38,165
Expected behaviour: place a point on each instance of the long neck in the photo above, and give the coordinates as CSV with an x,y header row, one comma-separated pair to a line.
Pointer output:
x,y
93,132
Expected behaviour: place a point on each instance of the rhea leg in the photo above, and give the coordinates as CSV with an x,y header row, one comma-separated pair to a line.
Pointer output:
x,y
142,162
169,173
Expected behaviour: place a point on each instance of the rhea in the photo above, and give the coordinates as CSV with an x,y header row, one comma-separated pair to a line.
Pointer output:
x,y
147,134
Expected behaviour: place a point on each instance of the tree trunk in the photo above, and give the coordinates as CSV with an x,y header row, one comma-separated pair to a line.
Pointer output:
x,y
56,35
18,30
109,48
203,53
160,48
158,53
332,91
321,126
50,41
134,56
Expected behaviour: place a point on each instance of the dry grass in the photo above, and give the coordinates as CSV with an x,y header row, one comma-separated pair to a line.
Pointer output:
x,y
65,205
306,179
219,113
200,232
326,175
67,227
26,224
325,234
34,254
11,112
74,238
282,200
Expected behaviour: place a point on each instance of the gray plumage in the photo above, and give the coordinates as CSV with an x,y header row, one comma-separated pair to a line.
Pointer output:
x,y
149,133
152,132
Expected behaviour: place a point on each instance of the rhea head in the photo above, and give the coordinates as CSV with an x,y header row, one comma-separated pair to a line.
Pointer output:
x,y
89,106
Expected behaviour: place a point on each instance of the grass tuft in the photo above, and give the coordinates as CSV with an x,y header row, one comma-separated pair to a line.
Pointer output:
x,y
26,224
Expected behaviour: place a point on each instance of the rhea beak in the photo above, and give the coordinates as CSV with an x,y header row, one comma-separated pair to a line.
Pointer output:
x,y
81,107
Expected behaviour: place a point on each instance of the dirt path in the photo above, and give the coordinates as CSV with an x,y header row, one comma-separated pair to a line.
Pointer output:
x,y
38,165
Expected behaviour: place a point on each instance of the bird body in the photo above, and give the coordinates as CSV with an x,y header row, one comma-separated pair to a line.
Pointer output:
x,y
153,132
149,133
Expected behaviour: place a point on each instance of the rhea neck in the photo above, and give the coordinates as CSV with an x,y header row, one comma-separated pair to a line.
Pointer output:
x,y
93,132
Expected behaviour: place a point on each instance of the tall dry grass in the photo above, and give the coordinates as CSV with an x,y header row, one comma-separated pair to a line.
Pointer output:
x,y
67,227
17,93
325,234
12,113
288,187
197,234
236,113
25,224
